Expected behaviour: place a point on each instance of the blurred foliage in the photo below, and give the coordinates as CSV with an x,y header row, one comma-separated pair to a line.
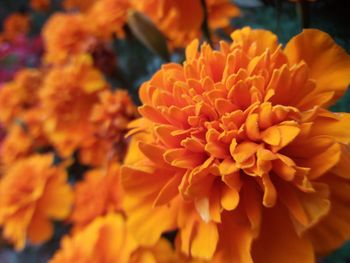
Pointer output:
x,y
136,64
340,256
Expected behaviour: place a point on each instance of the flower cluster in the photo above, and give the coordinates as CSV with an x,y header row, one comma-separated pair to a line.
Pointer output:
x,y
55,117
181,21
28,202
234,153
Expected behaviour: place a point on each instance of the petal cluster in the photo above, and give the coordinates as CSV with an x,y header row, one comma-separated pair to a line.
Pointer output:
x,y
109,120
181,21
67,95
19,95
237,140
29,203
40,5
82,5
113,18
15,25
66,35
113,113
104,240
89,203
107,240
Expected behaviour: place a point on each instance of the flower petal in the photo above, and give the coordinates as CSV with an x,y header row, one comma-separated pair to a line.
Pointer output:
x,y
235,241
146,222
40,229
306,208
337,127
334,229
278,242
205,240
329,64
255,40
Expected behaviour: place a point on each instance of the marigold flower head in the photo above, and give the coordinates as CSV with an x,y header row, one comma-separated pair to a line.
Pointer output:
x,y
181,21
66,35
97,152
220,12
106,239
40,5
89,203
17,144
113,19
23,137
68,95
82,5
33,192
238,151
110,117
32,122
15,25
19,95
113,113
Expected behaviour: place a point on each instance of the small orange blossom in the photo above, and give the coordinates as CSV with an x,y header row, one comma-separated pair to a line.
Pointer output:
x,y
32,193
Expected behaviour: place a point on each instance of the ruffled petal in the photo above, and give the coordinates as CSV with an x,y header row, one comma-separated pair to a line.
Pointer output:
x,y
329,64
146,222
205,240
255,42
235,241
334,229
278,242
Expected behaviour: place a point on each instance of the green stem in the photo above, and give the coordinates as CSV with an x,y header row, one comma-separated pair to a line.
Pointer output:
x,y
303,7
205,25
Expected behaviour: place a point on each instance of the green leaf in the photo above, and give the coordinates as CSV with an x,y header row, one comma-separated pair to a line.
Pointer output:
x,y
148,34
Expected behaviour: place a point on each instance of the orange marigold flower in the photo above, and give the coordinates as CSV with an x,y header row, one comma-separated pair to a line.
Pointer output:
x,y
97,152
33,123
17,144
112,114
40,5
66,35
15,25
82,5
68,95
220,13
89,203
106,239
19,95
238,151
181,21
23,137
110,118
32,193
113,19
